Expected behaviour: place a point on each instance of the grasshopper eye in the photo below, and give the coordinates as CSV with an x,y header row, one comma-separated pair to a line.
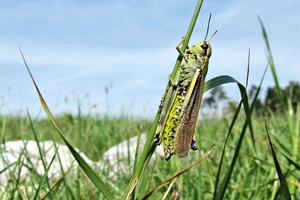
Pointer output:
x,y
204,46
205,49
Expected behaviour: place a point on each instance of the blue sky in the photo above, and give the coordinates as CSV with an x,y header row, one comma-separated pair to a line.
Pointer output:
x,y
76,49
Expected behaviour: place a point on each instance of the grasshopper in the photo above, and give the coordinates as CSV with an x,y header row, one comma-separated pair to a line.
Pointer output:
x,y
181,101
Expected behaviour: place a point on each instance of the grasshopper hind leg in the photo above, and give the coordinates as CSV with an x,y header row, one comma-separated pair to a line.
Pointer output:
x,y
157,139
194,144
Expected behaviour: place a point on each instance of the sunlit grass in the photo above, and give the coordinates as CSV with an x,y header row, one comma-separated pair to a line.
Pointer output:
x,y
254,174
240,167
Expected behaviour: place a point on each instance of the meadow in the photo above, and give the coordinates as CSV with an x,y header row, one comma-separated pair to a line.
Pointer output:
x,y
254,175
251,155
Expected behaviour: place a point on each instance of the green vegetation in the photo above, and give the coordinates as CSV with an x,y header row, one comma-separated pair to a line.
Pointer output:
x,y
242,165
254,175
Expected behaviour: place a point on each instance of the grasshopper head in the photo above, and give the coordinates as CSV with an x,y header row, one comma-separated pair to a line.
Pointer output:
x,y
202,48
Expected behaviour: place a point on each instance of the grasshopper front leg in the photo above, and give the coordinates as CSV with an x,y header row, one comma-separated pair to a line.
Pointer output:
x,y
178,48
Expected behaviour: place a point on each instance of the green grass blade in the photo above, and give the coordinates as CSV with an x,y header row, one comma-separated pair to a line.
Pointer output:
x,y
219,192
150,146
294,163
39,147
220,80
187,37
179,173
43,179
296,131
137,150
282,180
83,164
217,81
272,65
55,188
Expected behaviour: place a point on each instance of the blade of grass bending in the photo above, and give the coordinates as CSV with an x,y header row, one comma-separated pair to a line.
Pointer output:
x,y
216,81
150,146
219,192
83,164
282,180
220,80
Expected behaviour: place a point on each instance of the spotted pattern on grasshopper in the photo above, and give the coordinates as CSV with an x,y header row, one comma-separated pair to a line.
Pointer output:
x,y
180,103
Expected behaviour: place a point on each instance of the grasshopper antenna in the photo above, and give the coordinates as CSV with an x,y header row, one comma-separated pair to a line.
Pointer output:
x,y
207,30
212,36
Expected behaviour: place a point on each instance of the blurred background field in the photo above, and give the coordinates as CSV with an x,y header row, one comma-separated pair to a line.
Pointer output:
x,y
254,175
